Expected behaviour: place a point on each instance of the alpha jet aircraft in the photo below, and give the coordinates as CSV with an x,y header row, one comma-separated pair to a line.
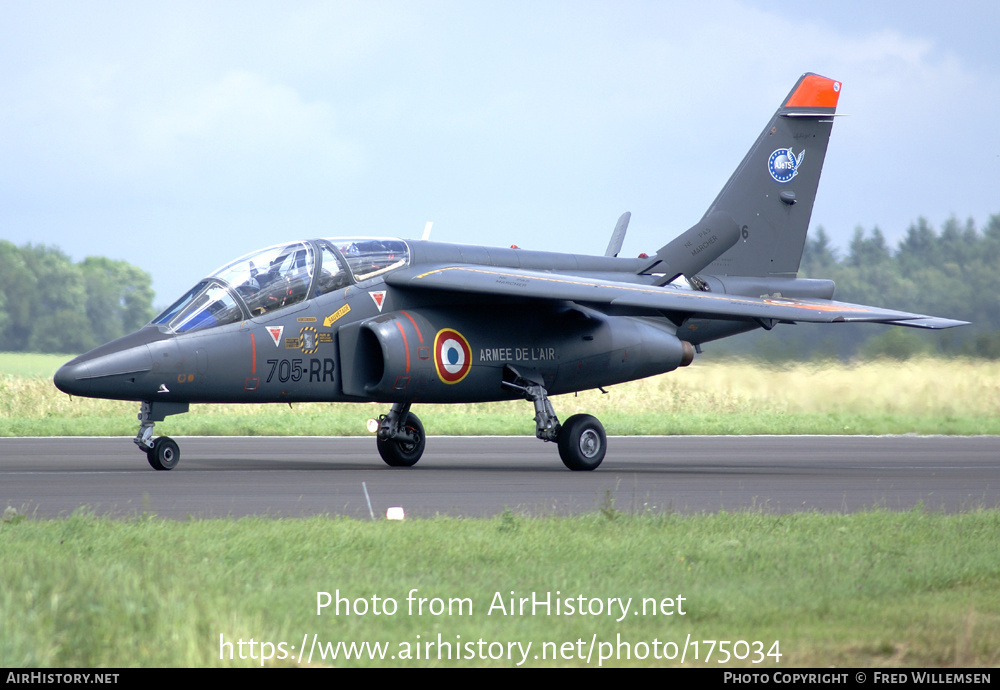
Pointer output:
x,y
403,322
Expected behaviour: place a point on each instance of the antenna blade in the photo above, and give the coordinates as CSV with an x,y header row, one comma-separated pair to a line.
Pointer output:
x,y
618,236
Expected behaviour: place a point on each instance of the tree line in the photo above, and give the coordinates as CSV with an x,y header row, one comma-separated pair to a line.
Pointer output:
x,y
48,303
954,273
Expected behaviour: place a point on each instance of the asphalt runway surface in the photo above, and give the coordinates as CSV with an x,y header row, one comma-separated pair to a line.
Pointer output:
x,y
482,476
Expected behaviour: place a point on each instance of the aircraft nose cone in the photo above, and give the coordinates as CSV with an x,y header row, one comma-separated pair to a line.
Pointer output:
x,y
111,374
68,378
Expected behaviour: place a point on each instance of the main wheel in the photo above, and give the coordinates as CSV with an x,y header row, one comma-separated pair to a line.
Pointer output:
x,y
400,453
164,455
582,442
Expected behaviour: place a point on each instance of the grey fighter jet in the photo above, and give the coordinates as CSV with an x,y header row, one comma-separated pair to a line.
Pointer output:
x,y
402,322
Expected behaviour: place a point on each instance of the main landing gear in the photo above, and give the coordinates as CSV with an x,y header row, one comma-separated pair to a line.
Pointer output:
x,y
162,453
581,440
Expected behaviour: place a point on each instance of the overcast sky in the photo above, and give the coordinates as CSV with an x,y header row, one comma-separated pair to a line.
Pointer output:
x,y
179,135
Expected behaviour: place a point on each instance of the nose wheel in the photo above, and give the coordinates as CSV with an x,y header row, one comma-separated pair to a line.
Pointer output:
x,y
401,437
162,453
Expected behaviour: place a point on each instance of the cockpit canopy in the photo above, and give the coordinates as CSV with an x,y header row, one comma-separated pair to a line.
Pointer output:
x,y
270,279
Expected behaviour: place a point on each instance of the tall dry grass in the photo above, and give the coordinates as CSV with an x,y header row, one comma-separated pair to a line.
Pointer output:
x,y
707,397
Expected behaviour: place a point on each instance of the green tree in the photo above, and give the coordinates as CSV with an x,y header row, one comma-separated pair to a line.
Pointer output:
x,y
918,247
58,306
119,297
17,284
50,304
818,255
868,252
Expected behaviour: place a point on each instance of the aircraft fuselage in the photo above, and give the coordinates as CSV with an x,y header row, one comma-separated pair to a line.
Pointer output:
x,y
368,341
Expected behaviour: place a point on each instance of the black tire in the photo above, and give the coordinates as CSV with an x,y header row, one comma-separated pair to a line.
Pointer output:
x,y
582,443
164,455
403,454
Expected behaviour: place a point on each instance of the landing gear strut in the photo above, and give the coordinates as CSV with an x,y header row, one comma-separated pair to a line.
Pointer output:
x,y
162,453
401,438
581,440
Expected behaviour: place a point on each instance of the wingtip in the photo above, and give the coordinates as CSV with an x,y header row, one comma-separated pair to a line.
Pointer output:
x,y
931,322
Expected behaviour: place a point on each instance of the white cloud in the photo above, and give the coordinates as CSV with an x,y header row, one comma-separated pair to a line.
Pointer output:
x,y
496,120
240,130
244,129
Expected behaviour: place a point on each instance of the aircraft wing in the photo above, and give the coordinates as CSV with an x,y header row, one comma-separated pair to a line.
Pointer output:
x,y
519,283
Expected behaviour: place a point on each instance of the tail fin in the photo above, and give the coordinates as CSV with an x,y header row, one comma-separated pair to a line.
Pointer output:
x,y
771,194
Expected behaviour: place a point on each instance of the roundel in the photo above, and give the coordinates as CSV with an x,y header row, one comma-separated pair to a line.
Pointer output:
x,y
452,356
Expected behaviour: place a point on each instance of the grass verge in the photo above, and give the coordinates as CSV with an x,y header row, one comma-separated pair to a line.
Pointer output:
x,y
924,396
867,589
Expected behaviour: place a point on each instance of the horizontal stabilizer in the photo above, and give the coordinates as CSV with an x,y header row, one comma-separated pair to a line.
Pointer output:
x,y
695,248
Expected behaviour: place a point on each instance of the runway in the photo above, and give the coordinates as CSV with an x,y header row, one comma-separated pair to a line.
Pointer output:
x,y
482,476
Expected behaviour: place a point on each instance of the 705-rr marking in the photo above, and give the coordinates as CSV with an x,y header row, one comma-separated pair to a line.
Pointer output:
x,y
320,370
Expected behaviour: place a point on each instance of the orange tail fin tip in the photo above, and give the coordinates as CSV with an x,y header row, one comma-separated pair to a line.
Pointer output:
x,y
815,92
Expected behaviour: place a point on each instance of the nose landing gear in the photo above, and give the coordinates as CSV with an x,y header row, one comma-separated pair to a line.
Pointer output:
x,y
162,453
401,438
